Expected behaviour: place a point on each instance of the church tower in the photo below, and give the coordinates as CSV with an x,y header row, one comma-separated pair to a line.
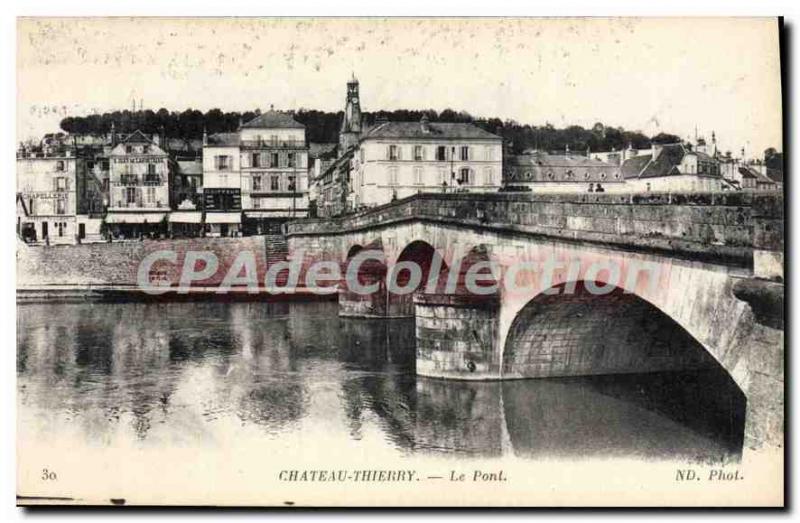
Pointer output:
x,y
351,123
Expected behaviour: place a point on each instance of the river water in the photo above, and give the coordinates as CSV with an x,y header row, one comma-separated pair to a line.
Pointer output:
x,y
144,375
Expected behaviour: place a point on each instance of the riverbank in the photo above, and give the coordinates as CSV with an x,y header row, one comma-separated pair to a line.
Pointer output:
x,y
131,293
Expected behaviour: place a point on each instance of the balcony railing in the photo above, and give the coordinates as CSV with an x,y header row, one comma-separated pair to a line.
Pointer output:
x,y
273,144
132,179
139,204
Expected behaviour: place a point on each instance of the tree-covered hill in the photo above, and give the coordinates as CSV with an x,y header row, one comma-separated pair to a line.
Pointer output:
x,y
323,126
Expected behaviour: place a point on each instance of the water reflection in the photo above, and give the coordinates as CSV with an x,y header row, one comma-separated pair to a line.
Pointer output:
x,y
205,373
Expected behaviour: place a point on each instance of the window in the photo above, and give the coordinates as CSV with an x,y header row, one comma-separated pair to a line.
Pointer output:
x,y
393,176
291,160
151,176
256,183
256,160
274,139
441,153
488,176
489,154
222,163
291,185
61,184
394,153
273,159
256,203
464,153
128,149
130,195
464,177
417,175
275,183
60,166
61,206
151,195
418,153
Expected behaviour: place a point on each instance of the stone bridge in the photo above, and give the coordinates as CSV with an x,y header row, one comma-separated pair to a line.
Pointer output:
x,y
577,284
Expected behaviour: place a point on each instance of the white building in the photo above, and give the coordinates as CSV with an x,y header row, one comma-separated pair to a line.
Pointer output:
x,y
398,159
274,169
139,187
674,168
222,184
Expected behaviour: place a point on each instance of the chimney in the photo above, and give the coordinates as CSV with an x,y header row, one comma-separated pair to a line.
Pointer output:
x,y
657,150
113,135
205,136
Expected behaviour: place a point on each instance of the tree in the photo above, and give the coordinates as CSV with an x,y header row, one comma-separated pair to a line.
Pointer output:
x,y
666,138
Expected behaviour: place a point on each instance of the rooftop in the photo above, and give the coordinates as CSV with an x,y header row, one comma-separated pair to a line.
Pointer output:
x,y
428,130
273,120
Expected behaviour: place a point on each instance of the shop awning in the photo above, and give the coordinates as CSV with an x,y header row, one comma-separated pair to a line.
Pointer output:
x,y
186,217
278,213
135,217
223,217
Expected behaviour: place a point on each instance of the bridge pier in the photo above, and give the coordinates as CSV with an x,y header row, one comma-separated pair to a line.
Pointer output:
x,y
457,337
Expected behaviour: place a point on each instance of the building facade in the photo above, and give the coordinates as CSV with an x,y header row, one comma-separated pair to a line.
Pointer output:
x,y
674,168
49,182
222,184
542,172
274,172
186,193
138,188
398,159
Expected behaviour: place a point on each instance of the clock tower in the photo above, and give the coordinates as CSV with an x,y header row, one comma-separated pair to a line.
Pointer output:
x,y
351,123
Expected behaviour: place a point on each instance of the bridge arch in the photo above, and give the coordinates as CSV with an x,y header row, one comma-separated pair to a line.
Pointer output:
x,y
371,274
433,270
570,330
582,333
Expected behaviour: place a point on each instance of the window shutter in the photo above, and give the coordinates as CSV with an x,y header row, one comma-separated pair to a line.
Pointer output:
x,y
399,152
388,152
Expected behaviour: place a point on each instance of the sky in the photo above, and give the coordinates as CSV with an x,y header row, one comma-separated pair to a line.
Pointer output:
x,y
653,75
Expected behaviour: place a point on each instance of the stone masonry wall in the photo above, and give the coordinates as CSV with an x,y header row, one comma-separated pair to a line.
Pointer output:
x,y
117,263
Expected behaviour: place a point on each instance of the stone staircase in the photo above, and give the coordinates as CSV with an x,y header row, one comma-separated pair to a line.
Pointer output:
x,y
277,250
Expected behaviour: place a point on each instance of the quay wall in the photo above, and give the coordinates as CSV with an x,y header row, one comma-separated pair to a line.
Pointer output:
x,y
117,264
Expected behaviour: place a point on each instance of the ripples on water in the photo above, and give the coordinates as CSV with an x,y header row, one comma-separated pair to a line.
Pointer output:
x,y
196,373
